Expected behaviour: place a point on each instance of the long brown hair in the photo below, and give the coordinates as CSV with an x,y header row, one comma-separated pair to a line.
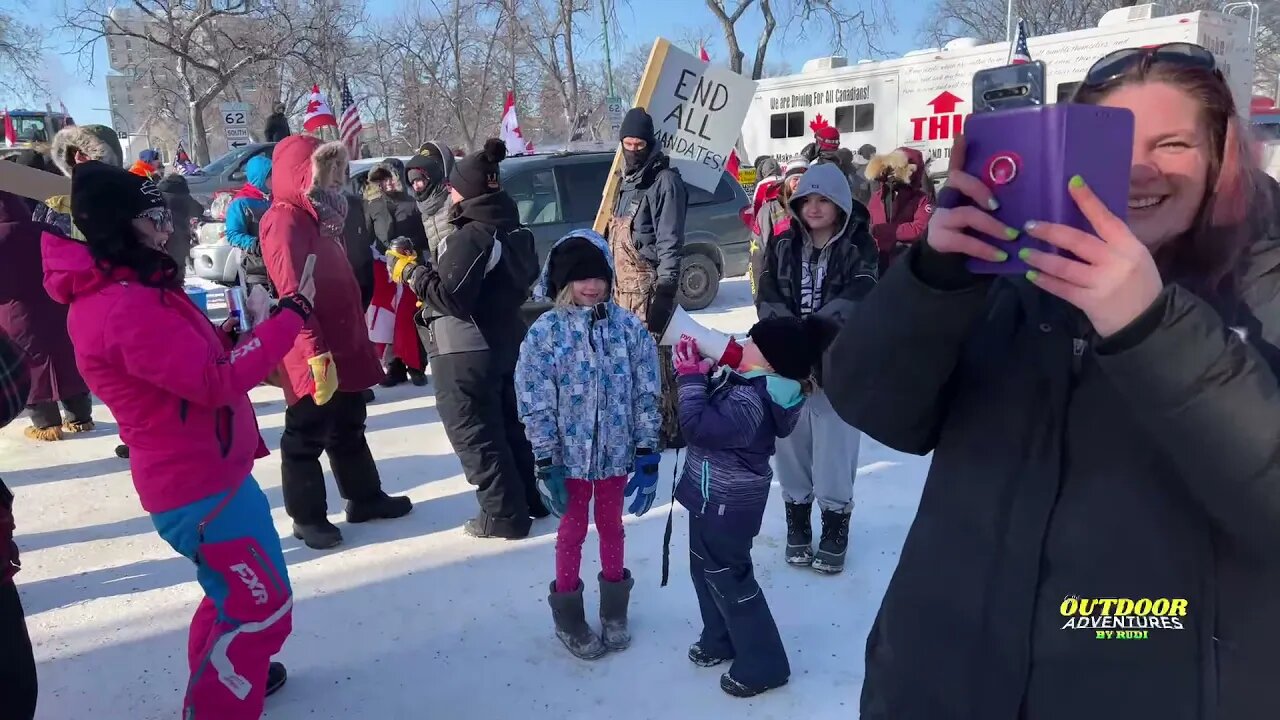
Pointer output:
x,y
1206,256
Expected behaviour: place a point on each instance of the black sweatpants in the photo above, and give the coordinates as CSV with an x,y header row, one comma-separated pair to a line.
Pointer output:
x,y
335,428
17,663
477,404
736,622
47,415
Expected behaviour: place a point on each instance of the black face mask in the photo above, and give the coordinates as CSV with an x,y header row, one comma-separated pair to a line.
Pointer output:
x,y
635,159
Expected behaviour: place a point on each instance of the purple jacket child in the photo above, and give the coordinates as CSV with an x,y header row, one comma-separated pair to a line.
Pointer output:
x,y
730,421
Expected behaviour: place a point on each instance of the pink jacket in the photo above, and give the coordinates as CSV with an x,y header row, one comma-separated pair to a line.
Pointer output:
x,y
177,389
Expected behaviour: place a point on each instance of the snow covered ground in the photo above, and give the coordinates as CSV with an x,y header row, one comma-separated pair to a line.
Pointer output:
x,y
412,618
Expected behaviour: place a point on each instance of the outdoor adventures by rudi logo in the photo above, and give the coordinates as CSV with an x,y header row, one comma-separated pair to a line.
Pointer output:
x,y
1123,618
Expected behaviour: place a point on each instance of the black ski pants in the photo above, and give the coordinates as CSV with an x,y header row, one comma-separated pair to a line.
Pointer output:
x,y
337,429
736,621
476,399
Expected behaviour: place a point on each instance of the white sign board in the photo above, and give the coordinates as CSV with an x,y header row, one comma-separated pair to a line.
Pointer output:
x,y
697,112
235,123
614,110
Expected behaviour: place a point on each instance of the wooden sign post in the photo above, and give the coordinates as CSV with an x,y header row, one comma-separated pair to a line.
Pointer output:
x,y
31,183
648,82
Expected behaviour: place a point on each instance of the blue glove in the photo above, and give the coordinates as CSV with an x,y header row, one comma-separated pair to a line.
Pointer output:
x,y
551,486
644,482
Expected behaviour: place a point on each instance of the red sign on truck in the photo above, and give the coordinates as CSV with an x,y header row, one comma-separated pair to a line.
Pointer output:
x,y
944,124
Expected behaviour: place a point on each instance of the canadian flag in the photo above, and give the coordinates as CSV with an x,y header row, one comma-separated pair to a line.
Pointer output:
x,y
318,113
510,132
732,165
10,133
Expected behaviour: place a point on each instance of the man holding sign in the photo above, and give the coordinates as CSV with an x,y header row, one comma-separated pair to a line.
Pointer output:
x,y
646,236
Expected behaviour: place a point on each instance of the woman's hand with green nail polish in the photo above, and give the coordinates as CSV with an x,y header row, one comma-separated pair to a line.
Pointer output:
x,y
955,230
1112,276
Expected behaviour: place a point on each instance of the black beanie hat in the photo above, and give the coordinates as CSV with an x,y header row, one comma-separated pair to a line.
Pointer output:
x,y
477,173
637,124
432,169
792,346
106,198
576,259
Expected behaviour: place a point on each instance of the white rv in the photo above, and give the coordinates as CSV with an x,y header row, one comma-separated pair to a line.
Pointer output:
x,y
921,99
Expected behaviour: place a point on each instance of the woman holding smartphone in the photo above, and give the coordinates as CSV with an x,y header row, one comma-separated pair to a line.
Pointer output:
x,y
1099,534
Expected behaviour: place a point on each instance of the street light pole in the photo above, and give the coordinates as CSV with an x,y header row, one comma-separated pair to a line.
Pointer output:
x,y
608,61
1008,22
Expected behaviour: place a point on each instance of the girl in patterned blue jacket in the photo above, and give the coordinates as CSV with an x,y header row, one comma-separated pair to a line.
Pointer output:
x,y
587,388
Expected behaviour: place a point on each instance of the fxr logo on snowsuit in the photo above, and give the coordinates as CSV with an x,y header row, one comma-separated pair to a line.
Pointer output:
x,y
251,581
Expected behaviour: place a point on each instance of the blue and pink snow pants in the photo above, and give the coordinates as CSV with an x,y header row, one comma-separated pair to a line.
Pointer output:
x,y
247,611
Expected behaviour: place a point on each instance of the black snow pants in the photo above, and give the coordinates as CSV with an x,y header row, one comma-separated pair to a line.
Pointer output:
x,y
476,399
336,429
736,622
17,663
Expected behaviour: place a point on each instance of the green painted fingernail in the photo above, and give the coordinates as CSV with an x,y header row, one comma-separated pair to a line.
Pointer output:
x,y
1032,275
1011,234
1024,254
1077,182
994,204
1001,256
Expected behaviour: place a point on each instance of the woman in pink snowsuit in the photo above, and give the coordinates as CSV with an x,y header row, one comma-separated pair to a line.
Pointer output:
x,y
177,387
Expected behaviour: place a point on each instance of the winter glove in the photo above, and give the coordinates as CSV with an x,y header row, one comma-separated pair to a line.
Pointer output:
x,y
551,486
687,360
644,482
661,308
400,263
324,373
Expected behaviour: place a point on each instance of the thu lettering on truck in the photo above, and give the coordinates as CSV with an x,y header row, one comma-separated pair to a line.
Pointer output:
x,y
921,99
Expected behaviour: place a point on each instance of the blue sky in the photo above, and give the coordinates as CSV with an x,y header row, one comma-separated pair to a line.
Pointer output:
x,y
643,20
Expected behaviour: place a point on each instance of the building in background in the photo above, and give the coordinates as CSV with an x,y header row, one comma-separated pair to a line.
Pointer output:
x,y
145,93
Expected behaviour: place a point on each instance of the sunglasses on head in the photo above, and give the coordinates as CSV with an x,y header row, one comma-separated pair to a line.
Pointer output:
x,y
1116,65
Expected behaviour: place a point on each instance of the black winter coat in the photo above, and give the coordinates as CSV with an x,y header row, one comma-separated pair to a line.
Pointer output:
x,y
393,215
481,278
657,200
355,235
277,128
1143,466
186,211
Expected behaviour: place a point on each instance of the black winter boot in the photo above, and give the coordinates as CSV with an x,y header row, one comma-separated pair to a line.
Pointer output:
x,y
739,690
417,377
571,624
397,374
486,526
277,676
834,543
614,598
319,536
799,534
702,658
384,507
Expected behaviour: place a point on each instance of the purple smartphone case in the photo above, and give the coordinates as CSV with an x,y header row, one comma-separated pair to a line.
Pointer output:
x,y
1028,155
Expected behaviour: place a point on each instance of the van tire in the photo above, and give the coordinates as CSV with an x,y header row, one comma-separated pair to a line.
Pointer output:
x,y
699,281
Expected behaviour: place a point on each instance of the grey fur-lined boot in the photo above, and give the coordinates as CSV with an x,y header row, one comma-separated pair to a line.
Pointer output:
x,y
571,624
614,599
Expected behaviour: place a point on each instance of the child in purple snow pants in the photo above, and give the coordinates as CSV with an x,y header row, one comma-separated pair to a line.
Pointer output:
x,y
587,389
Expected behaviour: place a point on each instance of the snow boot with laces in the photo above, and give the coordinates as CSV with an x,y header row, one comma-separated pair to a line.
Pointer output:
x,y
614,598
834,543
571,624
799,534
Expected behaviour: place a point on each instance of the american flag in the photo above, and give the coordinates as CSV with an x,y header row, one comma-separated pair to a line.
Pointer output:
x,y
1018,52
349,126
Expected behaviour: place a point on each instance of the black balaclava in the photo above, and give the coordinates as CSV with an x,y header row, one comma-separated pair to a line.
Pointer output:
x,y
637,124
427,168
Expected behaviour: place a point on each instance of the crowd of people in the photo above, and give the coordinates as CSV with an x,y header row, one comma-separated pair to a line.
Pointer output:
x,y
1104,426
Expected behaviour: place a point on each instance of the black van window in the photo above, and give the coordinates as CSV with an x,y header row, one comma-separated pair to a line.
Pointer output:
x,y
535,196
698,196
581,186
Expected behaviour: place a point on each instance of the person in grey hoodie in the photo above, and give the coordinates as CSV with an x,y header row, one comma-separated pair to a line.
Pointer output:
x,y
823,265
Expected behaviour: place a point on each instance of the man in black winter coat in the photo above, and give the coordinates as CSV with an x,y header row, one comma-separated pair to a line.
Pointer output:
x,y
427,175
277,128
473,329
355,234
646,236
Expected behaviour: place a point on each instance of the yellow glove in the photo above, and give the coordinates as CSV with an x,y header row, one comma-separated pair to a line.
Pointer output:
x,y
402,263
324,373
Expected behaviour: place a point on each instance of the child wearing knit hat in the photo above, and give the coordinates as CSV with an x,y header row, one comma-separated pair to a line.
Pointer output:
x,y
587,389
732,420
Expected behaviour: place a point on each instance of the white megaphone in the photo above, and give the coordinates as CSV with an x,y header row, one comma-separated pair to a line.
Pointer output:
x,y
714,345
